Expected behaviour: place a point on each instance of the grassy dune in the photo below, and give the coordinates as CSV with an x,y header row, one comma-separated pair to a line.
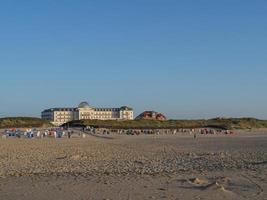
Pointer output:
x,y
222,123
23,122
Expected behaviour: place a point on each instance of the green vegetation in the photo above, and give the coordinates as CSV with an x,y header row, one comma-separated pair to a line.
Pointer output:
x,y
221,123
23,122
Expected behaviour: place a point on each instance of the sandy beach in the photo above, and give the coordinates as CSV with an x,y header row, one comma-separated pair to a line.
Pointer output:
x,y
135,167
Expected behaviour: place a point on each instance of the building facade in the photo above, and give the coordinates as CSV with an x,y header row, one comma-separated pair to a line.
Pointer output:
x,y
59,116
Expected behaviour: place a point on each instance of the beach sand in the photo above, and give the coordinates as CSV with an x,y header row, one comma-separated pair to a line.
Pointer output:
x,y
135,167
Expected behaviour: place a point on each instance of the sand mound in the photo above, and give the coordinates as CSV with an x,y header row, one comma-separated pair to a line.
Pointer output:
x,y
206,184
198,181
216,186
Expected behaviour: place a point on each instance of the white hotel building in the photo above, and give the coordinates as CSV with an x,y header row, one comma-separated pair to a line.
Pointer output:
x,y
59,116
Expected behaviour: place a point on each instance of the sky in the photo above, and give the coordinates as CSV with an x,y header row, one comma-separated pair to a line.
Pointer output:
x,y
187,59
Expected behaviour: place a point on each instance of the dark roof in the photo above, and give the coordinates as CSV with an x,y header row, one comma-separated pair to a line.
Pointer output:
x,y
84,104
106,109
151,115
60,109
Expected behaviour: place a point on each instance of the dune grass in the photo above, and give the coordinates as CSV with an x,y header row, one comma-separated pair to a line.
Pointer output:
x,y
221,123
23,122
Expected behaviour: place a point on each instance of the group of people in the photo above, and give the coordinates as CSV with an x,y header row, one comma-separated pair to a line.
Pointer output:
x,y
33,133
60,132
213,131
194,132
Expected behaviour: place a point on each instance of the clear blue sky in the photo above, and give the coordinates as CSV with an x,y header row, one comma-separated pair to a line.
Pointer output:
x,y
185,58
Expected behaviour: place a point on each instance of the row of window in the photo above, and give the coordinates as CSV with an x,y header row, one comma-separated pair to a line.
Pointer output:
x,y
101,117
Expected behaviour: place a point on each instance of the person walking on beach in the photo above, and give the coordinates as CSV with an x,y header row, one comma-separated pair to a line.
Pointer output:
x,y
195,136
69,134
38,134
